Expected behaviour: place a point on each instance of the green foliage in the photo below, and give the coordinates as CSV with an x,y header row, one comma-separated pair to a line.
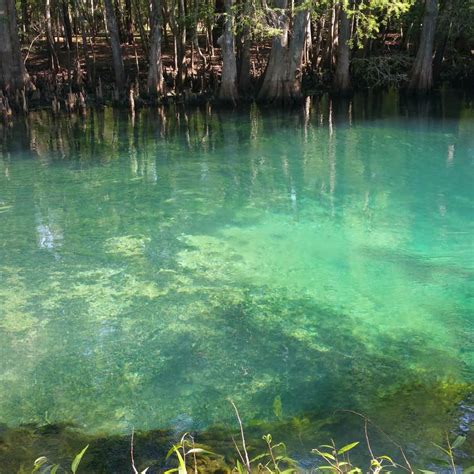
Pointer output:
x,y
449,452
183,450
381,71
371,15
42,464
257,21
193,458
337,460
275,459
277,407
77,460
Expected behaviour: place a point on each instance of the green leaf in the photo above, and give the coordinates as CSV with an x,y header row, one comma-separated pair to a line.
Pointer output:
x,y
182,464
469,470
427,472
240,468
347,447
277,407
443,462
459,441
285,459
326,468
200,450
257,458
387,458
77,460
38,463
169,471
54,469
327,456
171,451
442,449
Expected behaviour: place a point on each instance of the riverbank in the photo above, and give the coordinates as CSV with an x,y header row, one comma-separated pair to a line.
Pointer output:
x,y
68,89
221,449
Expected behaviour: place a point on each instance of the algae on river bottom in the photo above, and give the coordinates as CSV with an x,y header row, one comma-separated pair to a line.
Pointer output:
x,y
150,271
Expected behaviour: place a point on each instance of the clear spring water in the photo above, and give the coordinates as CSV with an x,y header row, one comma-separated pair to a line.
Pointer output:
x,y
150,269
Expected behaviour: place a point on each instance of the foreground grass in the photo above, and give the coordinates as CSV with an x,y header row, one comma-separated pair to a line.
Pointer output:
x,y
190,457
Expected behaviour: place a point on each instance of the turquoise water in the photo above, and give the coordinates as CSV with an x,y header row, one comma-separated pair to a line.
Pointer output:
x,y
151,269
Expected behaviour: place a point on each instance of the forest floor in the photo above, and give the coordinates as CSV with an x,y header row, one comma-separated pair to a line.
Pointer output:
x,y
202,71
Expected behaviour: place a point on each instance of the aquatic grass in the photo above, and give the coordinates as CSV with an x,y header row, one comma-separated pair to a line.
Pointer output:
x,y
273,459
280,259
43,465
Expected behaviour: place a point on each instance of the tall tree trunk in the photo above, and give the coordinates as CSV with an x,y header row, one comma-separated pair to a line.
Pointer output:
x,y
422,73
297,45
218,26
25,16
178,30
244,77
318,41
342,80
282,81
129,21
119,20
155,71
228,88
181,46
195,37
445,23
439,52
50,37
13,74
67,24
117,59
328,56
141,26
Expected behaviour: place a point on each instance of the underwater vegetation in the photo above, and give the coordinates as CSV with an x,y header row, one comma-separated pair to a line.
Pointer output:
x,y
304,267
243,455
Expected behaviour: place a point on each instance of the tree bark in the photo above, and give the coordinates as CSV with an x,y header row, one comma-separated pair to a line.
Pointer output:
x,y
282,81
342,80
67,24
181,46
422,73
117,59
244,63
53,55
178,28
129,21
25,16
218,26
228,88
445,23
155,71
140,23
328,56
119,21
13,74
